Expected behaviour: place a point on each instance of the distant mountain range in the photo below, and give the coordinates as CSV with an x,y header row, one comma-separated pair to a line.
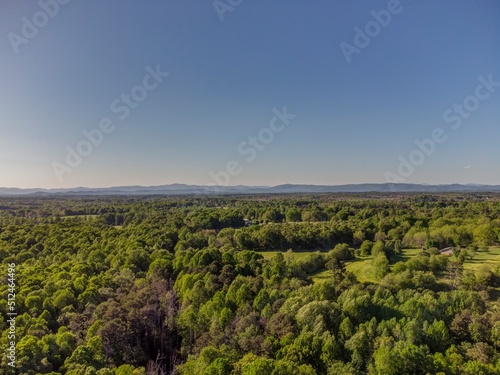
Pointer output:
x,y
182,189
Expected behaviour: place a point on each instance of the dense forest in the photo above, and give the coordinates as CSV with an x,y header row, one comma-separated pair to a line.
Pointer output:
x,y
185,285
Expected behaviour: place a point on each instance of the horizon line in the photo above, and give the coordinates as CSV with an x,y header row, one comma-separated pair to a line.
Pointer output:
x,y
249,186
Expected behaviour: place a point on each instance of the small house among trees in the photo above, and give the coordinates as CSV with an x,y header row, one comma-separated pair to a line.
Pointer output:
x,y
247,222
446,251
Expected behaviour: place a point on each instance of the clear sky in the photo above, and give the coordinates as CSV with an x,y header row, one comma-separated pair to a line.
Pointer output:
x,y
230,70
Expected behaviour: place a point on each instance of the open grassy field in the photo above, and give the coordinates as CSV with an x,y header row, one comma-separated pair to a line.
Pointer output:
x,y
406,254
79,216
320,276
364,271
296,255
361,267
490,257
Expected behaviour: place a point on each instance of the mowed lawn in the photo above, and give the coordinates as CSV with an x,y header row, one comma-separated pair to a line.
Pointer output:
x,y
406,254
365,272
361,267
479,258
79,216
296,255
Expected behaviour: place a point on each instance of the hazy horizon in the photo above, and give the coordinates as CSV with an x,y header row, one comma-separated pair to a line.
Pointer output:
x,y
241,185
262,93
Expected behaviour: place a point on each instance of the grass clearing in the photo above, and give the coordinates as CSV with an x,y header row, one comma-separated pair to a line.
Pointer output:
x,y
406,254
296,255
365,272
320,276
79,216
491,257
363,269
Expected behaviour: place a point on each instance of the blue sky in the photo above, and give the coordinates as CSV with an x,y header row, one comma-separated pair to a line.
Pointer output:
x,y
354,121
